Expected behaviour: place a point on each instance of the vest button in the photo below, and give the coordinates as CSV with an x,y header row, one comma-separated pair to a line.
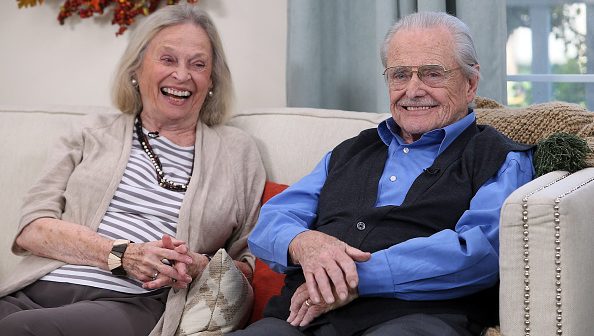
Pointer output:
x,y
360,226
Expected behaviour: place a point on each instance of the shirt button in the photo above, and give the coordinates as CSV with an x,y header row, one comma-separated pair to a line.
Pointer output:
x,y
406,150
360,226
392,178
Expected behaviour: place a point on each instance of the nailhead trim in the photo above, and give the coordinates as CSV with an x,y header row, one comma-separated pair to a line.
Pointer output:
x,y
557,222
557,261
526,255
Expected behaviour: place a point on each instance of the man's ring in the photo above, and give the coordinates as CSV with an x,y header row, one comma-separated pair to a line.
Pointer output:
x,y
307,303
155,275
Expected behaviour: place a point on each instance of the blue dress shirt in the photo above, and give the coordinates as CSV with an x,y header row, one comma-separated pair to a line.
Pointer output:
x,y
447,264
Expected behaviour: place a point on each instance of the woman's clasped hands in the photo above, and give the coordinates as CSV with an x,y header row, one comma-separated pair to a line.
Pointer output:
x,y
163,263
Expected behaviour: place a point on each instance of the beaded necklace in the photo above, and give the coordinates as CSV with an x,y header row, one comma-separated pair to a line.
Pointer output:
x,y
146,146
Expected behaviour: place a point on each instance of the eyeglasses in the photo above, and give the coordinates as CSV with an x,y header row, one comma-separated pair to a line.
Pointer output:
x,y
433,75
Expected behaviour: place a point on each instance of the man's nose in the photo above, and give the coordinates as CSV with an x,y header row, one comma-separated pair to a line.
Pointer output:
x,y
415,87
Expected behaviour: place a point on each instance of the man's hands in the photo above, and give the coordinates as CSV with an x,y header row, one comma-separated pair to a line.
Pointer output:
x,y
328,265
303,311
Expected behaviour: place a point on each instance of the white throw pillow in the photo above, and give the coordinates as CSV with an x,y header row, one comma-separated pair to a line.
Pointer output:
x,y
218,302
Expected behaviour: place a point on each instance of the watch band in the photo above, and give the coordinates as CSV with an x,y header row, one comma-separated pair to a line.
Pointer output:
x,y
114,259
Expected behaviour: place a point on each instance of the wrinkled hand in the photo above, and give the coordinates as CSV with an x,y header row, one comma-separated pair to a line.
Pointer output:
x,y
328,265
143,260
302,311
188,269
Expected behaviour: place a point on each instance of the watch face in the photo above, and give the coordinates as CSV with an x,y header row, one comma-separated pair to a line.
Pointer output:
x,y
114,259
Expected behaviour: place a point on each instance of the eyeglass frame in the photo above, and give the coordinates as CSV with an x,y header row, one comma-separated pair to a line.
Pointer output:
x,y
446,71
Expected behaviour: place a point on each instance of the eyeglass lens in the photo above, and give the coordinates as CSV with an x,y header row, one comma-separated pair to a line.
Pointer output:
x,y
399,76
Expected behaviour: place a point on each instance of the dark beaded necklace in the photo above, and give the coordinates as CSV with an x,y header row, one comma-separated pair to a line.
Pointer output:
x,y
146,146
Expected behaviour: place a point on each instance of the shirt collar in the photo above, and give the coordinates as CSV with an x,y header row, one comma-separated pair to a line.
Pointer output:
x,y
388,131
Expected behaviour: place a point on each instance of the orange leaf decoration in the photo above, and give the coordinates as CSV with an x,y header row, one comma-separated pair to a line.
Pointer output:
x,y
124,11
95,4
28,3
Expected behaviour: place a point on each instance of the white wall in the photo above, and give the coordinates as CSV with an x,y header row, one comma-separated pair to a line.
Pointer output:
x,y
42,62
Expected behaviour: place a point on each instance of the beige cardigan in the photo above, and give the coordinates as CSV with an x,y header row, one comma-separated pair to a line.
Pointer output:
x,y
219,209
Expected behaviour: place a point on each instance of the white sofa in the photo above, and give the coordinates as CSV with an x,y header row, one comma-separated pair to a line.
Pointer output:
x,y
557,291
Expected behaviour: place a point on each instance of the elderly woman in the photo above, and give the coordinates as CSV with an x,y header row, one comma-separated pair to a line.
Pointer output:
x,y
97,226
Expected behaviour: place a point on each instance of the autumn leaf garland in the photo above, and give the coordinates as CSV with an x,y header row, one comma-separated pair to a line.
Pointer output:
x,y
124,11
28,3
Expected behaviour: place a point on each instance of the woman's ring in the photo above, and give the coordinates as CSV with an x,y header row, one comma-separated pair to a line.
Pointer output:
x,y
307,303
155,275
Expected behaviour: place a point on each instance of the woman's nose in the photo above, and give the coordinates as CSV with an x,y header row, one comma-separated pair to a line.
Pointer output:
x,y
181,74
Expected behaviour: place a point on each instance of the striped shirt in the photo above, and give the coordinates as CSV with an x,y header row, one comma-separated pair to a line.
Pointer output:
x,y
140,211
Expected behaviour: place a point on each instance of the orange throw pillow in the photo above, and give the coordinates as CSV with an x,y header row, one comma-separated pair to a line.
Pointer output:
x,y
271,189
266,282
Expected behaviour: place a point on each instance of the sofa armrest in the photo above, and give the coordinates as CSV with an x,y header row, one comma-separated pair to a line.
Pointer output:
x,y
547,265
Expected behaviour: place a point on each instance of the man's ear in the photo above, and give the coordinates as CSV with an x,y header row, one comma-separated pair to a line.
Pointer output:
x,y
473,82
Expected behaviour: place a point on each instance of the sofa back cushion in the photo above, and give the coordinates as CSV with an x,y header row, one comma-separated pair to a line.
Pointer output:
x,y
28,133
293,140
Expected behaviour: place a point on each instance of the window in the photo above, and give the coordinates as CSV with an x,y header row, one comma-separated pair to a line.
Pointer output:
x,y
550,56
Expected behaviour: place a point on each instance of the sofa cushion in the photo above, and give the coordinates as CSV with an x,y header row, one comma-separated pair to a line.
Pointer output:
x,y
271,189
293,140
266,282
28,133
219,301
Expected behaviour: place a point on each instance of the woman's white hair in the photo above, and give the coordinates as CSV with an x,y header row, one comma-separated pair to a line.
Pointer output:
x,y
464,50
126,97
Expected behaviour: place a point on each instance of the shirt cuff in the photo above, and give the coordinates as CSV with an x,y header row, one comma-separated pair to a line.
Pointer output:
x,y
281,245
375,277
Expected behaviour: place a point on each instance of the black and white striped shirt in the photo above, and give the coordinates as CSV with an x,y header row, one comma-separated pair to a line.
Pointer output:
x,y
140,211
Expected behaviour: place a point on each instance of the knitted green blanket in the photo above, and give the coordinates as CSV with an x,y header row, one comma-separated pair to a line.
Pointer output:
x,y
563,132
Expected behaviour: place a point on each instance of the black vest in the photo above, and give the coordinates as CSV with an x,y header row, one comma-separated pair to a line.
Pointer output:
x,y
435,201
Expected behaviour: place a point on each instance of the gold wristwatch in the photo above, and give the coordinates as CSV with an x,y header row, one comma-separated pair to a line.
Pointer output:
x,y
114,259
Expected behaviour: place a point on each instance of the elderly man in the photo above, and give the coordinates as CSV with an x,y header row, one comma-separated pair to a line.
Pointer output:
x,y
395,232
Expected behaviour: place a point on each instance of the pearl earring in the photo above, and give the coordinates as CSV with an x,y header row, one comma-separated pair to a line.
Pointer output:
x,y
210,93
134,82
